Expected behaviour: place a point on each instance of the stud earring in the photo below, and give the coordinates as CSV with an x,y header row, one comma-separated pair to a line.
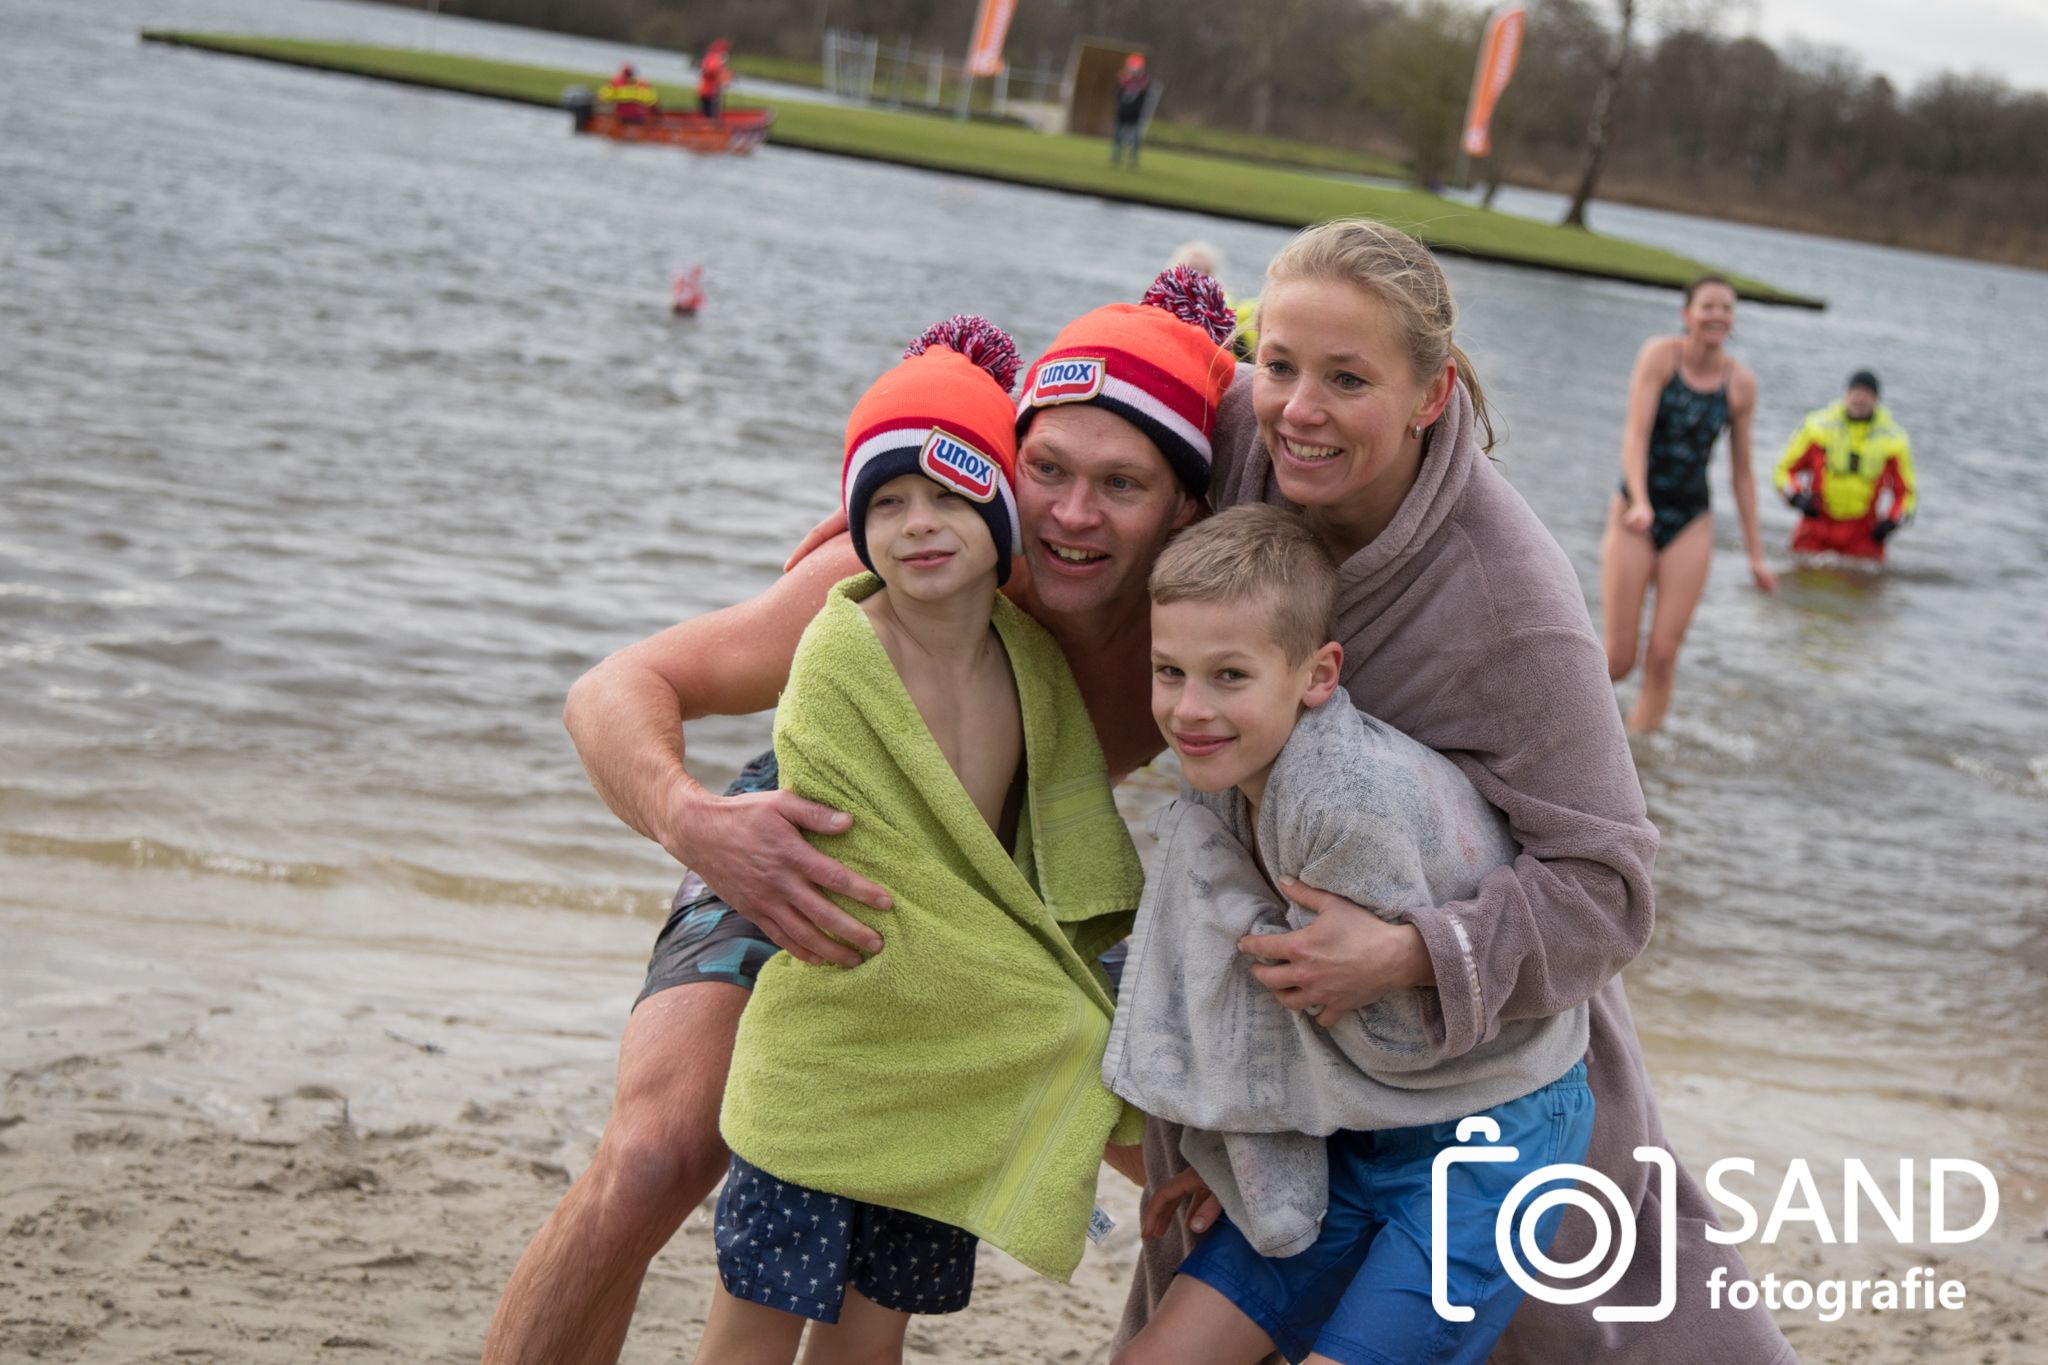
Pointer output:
x,y
1416,431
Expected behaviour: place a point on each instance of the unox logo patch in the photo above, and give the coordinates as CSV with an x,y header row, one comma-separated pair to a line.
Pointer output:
x,y
958,465
1076,379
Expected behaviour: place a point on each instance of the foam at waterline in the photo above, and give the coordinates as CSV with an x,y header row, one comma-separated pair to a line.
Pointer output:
x,y
161,855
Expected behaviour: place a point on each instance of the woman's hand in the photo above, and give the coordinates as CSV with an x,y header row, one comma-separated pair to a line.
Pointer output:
x,y
1760,573
1186,1188
1638,516
1344,959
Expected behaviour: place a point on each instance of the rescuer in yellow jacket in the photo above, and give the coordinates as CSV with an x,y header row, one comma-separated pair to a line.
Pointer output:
x,y
632,100
1850,474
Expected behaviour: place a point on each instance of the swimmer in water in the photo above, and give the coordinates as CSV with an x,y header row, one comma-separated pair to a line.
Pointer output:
x,y
1660,533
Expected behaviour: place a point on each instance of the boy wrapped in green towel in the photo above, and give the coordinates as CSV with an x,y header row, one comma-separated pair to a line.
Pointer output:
x,y
883,1118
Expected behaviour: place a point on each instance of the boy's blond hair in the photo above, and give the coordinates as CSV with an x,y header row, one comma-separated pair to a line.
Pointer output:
x,y
1255,552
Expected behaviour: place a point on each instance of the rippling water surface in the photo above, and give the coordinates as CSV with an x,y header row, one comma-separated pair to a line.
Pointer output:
x,y
342,426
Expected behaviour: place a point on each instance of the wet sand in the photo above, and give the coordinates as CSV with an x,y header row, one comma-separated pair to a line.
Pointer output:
x,y
250,1122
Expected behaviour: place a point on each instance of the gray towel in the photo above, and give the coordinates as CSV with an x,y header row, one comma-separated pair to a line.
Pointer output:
x,y
1355,807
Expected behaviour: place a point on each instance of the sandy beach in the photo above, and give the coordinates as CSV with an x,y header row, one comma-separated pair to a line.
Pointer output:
x,y
212,1148
259,1122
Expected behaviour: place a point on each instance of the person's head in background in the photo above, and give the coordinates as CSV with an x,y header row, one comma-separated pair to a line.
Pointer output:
x,y
1861,398
1709,312
1198,255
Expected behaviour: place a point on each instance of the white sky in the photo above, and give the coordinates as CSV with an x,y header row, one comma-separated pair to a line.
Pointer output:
x,y
1911,39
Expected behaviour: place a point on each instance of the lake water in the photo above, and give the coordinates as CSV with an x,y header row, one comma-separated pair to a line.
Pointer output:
x,y
342,426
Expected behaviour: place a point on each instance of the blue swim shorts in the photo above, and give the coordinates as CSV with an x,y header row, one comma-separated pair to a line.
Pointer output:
x,y
1361,1293
796,1249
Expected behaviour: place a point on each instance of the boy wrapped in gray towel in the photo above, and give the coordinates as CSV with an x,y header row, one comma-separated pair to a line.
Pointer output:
x,y
1288,1120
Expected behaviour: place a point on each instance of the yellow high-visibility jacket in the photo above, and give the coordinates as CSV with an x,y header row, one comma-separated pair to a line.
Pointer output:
x,y
1846,464
1245,344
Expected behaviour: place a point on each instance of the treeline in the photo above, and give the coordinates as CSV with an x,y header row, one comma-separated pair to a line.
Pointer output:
x,y
1702,122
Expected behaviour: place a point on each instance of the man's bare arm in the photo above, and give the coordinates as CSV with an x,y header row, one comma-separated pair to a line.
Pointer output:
x,y
626,717
824,533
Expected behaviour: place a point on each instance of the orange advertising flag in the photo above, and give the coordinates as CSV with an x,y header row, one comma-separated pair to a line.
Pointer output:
x,y
991,31
1498,52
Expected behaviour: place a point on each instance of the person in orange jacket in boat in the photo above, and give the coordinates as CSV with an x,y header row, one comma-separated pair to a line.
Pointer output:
x,y
1849,472
714,73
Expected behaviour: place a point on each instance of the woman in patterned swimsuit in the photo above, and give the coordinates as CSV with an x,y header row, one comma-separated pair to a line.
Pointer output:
x,y
1659,531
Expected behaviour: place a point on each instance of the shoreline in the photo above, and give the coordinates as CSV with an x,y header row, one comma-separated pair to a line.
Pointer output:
x,y
1193,182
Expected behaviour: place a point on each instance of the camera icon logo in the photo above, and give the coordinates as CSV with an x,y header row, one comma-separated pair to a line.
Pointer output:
x,y
1614,1229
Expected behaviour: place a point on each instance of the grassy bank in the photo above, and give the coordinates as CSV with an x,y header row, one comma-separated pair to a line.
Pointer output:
x,y
1180,137
785,70
1204,183
1272,151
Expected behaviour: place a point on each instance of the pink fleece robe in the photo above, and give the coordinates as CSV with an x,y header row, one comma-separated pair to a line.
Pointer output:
x,y
1464,625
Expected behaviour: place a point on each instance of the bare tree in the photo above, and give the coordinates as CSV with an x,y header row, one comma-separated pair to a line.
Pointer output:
x,y
1602,122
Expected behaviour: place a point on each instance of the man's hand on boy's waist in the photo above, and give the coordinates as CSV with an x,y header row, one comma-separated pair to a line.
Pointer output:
x,y
751,851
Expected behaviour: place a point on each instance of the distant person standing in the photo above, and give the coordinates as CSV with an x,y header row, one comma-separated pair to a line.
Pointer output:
x,y
1684,392
1133,98
714,73
1845,460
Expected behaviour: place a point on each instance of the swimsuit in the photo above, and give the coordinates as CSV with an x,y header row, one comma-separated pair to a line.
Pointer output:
x,y
1681,442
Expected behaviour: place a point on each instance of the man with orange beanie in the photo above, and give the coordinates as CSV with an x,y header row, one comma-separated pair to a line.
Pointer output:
x,y
1157,364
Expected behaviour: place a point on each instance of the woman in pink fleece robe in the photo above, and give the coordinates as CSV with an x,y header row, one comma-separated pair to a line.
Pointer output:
x,y
1464,625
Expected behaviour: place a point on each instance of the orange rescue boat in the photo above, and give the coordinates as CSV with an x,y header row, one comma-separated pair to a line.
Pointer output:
x,y
735,133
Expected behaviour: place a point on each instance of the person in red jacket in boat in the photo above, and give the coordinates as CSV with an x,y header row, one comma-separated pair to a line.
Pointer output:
x,y
632,99
714,73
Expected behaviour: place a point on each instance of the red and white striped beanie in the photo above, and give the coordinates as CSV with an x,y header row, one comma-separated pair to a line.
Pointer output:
x,y
1162,365
944,412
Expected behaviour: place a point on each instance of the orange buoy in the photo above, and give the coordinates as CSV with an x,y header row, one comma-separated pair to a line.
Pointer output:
x,y
689,292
